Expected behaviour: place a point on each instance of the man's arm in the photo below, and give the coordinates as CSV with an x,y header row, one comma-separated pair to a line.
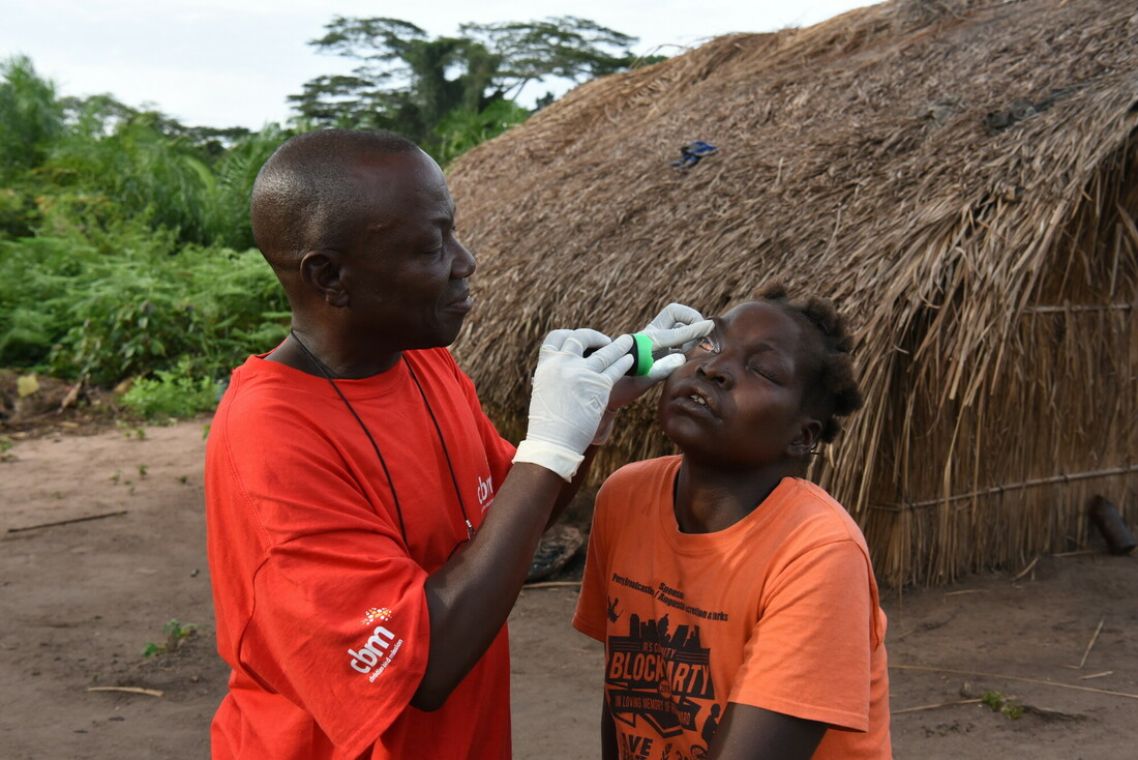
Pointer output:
x,y
751,733
570,489
469,598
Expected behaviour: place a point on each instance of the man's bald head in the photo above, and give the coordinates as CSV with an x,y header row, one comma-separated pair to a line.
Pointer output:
x,y
307,196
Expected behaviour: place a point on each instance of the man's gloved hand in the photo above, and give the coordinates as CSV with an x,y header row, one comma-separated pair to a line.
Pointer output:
x,y
570,395
675,327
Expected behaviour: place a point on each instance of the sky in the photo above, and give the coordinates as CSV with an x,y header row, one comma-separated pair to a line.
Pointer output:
x,y
234,62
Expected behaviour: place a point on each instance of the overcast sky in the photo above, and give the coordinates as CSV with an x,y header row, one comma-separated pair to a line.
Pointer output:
x,y
234,62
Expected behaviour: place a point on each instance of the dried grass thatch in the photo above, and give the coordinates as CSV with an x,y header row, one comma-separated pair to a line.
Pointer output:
x,y
960,177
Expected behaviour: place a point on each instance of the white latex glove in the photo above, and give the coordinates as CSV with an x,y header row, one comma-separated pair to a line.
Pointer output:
x,y
570,395
675,327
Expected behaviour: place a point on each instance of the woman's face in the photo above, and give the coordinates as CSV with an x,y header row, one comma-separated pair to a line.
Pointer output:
x,y
737,401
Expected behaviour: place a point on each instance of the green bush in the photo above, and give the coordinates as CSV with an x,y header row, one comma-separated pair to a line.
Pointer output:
x,y
130,301
174,393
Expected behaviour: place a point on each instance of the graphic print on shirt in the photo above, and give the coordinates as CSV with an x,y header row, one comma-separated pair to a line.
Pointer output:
x,y
659,674
485,492
373,657
656,675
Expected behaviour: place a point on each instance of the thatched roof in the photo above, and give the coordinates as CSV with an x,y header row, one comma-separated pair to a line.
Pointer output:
x,y
940,170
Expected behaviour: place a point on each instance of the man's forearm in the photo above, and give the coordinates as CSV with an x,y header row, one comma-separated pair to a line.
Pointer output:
x,y
570,489
470,597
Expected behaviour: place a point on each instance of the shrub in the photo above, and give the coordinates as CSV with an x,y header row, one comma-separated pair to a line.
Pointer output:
x,y
129,302
172,394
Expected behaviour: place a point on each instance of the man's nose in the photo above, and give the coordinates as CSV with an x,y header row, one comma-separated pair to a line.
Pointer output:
x,y
463,265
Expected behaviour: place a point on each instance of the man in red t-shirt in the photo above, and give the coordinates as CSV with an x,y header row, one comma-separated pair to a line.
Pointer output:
x,y
361,578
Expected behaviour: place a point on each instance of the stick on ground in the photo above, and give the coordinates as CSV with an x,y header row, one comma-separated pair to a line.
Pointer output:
x,y
129,690
1091,643
1096,675
922,708
1006,677
1026,570
68,522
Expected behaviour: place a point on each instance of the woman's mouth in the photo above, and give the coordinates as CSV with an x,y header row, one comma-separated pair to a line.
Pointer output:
x,y
695,403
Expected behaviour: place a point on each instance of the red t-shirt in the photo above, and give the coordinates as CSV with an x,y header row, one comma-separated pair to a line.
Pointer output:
x,y
777,611
320,606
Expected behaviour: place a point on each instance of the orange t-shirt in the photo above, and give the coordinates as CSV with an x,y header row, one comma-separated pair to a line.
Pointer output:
x,y
778,611
321,612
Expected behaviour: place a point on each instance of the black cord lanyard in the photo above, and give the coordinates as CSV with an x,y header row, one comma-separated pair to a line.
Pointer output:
x,y
375,446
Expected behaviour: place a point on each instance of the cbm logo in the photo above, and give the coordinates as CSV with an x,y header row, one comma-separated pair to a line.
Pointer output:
x,y
370,654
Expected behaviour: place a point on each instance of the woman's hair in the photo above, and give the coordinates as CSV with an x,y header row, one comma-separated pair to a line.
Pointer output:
x,y
830,388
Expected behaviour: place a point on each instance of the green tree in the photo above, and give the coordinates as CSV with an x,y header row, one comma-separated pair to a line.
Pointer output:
x,y
31,117
462,129
410,82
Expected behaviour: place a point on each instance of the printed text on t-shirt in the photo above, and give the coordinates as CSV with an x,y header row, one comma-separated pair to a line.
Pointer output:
x,y
670,597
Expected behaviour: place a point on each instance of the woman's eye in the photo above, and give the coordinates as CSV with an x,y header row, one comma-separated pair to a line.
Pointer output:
x,y
765,373
708,343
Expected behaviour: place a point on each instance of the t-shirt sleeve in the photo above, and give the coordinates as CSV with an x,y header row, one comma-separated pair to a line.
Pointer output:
x,y
339,623
809,654
590,617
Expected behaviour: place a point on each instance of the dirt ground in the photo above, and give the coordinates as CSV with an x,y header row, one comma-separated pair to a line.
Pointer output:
x,y
80,601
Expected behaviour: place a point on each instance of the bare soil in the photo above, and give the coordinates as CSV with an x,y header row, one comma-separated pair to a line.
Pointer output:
x,y
81,600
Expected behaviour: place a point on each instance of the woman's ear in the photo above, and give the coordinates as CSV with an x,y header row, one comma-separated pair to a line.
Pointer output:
x,y
806,441
320,270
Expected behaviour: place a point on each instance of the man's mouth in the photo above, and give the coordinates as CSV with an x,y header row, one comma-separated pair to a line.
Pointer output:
x,y
463,304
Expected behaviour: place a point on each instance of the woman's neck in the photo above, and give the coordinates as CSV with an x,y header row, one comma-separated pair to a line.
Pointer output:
x,y
711,498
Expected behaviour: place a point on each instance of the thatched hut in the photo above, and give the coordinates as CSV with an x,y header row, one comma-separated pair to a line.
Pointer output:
x,y
961,177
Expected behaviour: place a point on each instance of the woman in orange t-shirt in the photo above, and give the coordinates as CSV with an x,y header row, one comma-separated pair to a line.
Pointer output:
x,y
735,599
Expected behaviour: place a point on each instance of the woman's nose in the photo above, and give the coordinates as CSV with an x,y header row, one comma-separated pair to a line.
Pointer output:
x,y
715,369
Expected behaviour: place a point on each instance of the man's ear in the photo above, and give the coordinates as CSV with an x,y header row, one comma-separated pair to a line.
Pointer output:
x,y
320,270
806,441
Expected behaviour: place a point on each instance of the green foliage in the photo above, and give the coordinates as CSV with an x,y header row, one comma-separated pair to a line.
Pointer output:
x,y
171,394
564,46
462,129
124,235
176,634
130,302
136,171
77,165
30,117
414,84
997,702
124,240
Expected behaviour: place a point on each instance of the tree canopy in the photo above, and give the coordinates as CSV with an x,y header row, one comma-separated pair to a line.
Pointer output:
x,y
125,245
428,87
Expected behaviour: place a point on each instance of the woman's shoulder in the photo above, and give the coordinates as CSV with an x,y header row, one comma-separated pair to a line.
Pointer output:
x,y
817,515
